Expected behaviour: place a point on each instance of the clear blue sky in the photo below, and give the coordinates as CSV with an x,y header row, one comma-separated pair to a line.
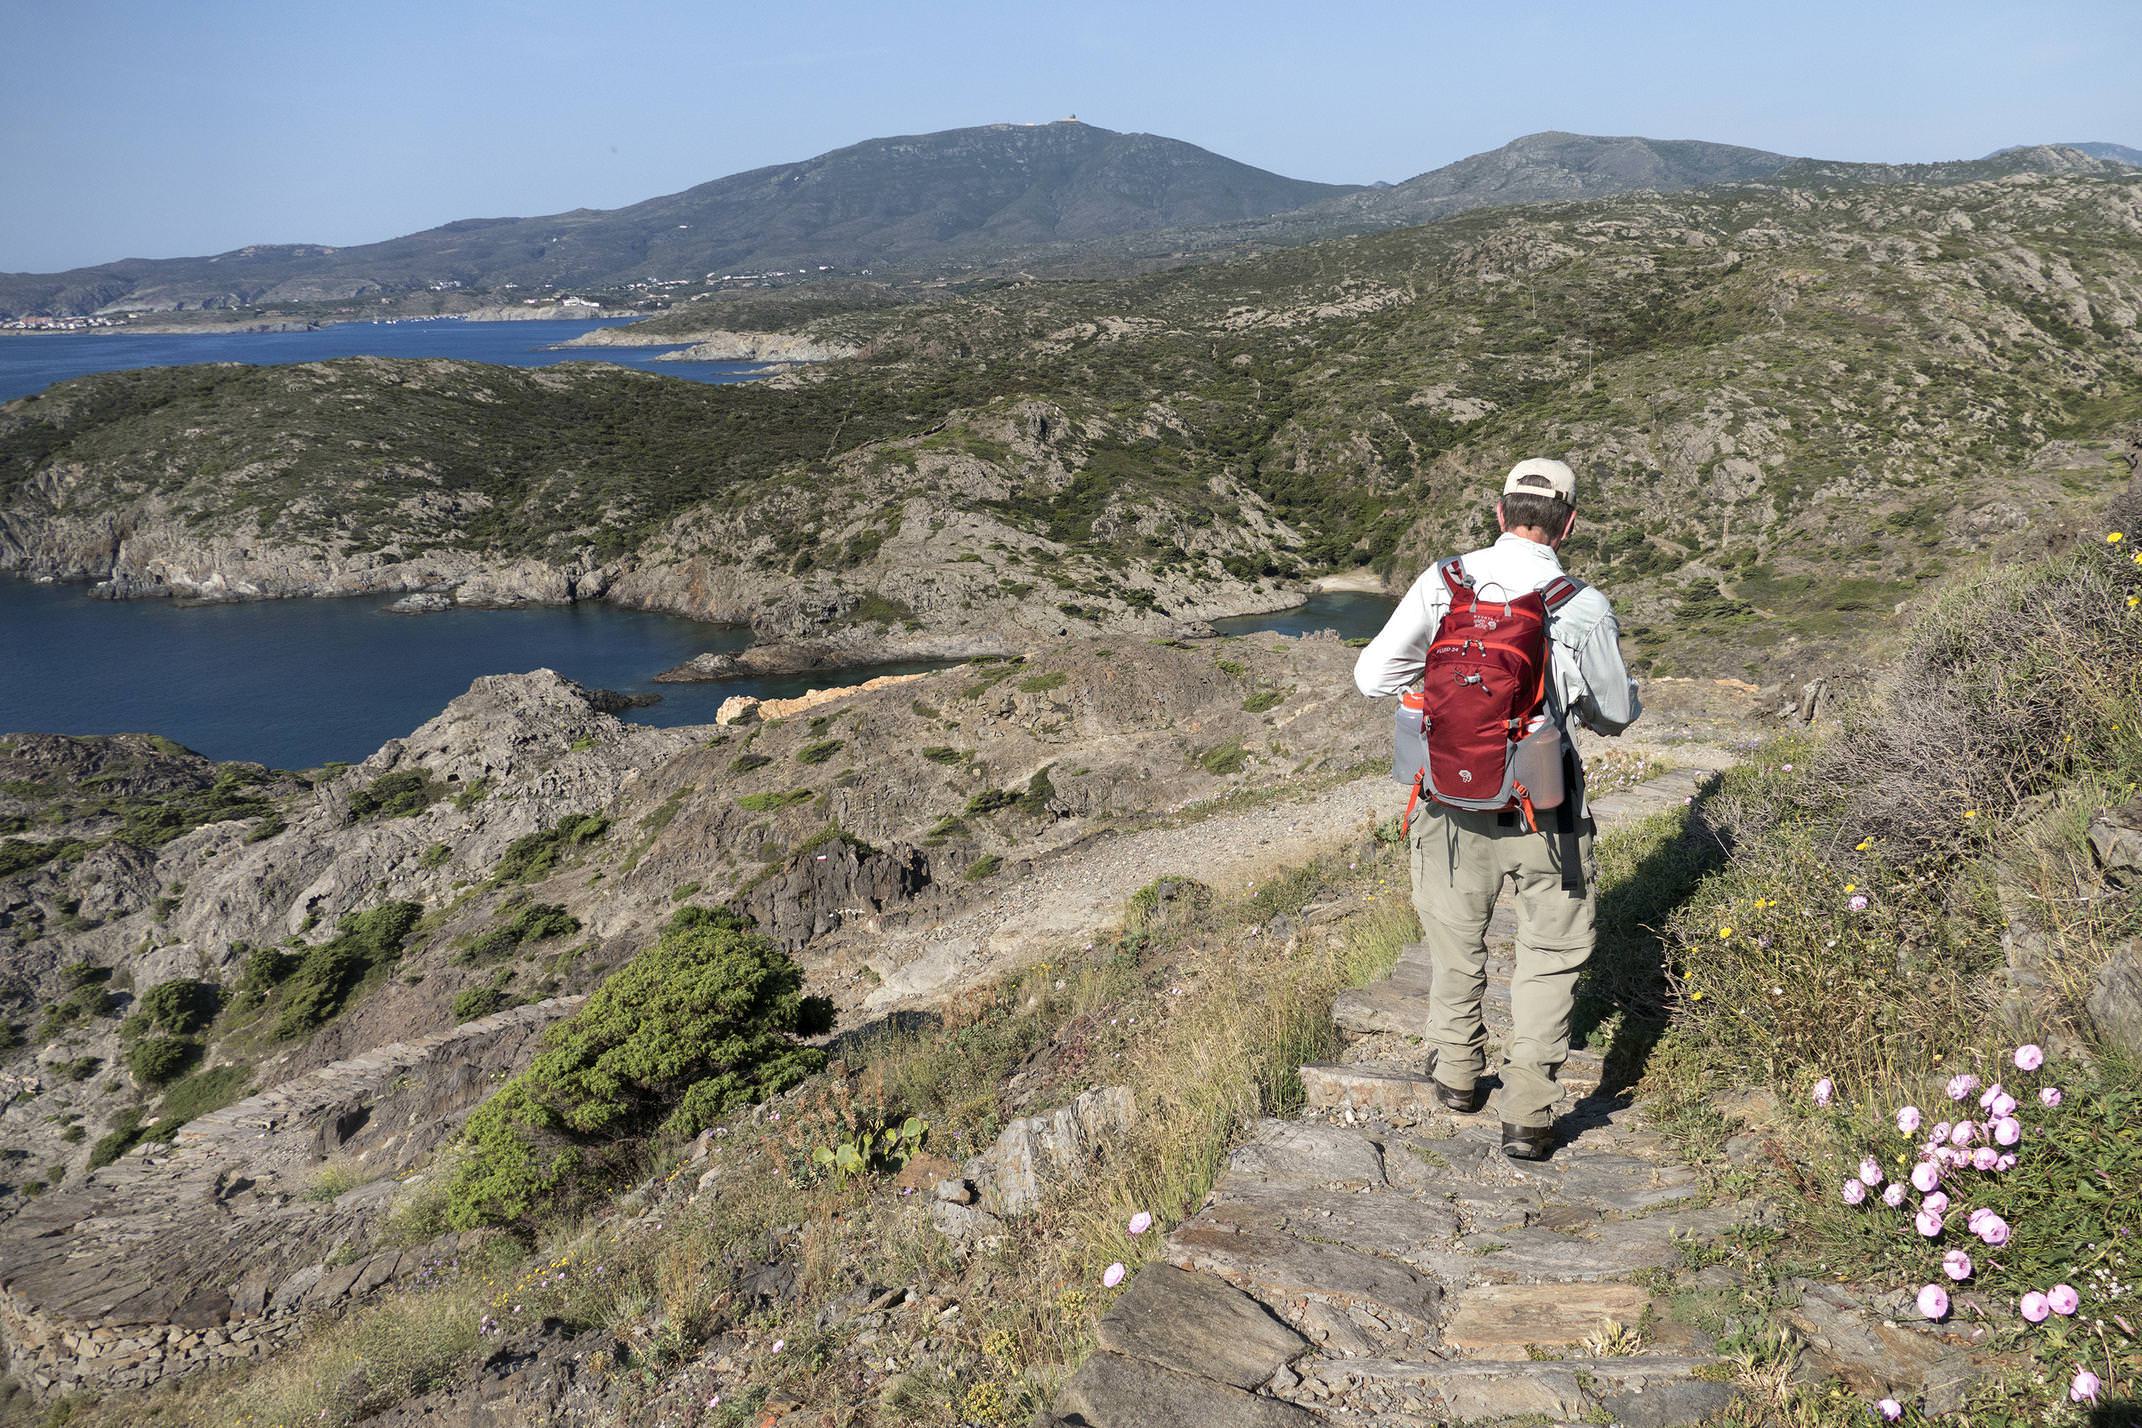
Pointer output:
x,y
153,128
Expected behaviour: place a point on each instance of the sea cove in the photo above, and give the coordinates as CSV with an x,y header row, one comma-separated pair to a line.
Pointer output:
x,y
31,362
296,683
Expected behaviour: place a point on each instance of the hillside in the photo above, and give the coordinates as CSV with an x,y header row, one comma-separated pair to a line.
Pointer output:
x,y
1791,404
931,200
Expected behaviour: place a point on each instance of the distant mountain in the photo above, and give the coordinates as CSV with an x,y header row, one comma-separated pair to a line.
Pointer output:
x,y
1552,166
2026,158
917,200
2118,153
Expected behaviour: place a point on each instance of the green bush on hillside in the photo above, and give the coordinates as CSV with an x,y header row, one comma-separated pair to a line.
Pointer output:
x,y
401,794
535,922
316,989
694,1028
181,1006
535,855
155,1060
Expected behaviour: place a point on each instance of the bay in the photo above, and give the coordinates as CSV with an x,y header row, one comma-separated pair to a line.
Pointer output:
x,y
30,363
1352,614
297,683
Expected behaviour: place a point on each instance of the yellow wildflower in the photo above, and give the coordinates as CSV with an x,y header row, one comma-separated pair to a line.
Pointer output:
x,y
1863,845
1970,813
1725,933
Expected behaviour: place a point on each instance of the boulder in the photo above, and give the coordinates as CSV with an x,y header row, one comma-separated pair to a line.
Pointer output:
x,y
2116,838
1029,1156
2115,999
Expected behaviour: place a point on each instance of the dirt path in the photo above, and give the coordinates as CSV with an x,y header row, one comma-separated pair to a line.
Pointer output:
x,y
1079,892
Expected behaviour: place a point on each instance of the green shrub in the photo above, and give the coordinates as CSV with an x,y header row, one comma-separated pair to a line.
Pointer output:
x,y
694,1028
401,794
535,855
317,988
819,752
1040,793
982,867
944,754
745,763
535,922
210,1089
155,1060
989,800
19,855
126,1132
435,856
471,1003
1262,700
1043,683
773,802
1225,759
181,1006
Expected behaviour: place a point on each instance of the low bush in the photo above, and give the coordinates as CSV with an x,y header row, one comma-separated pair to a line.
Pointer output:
x,y
535,855
155,1060
819,752
402,794
317,988
534,922
696,1026
181,1006
773,802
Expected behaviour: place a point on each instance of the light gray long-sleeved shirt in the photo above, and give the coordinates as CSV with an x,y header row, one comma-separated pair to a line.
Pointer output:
x,y
1590,684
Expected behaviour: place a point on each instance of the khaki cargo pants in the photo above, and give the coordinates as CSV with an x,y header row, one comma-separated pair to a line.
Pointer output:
x,y
1460,861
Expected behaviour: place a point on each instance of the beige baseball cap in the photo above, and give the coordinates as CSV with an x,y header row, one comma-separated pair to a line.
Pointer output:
x,y
1541,476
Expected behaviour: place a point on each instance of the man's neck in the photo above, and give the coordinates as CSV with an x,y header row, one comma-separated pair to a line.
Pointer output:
x,y
1536,534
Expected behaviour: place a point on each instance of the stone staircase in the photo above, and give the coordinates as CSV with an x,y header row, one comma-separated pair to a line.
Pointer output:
x,y
1379,1262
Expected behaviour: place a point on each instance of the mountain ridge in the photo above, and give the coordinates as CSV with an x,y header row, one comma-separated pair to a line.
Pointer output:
x,y
1064,196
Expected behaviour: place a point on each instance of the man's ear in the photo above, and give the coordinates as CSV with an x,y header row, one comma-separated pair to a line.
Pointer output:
x,y
1567,527
1500,523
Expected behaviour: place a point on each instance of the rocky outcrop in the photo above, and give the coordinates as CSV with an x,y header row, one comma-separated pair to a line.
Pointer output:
x,y
178,1258
821,888
1028,1157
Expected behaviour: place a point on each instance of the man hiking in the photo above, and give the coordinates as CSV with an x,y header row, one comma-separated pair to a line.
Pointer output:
x,y
1494,653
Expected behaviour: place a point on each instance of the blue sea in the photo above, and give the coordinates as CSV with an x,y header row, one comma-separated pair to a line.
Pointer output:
x,y
296,683
32,362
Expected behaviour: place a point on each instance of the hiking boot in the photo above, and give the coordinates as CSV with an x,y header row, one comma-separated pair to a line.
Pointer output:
x,y
1464,1102
1527,1142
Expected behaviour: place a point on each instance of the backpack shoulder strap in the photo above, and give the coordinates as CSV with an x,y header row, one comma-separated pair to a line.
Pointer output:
x,y
1558,593
1455,579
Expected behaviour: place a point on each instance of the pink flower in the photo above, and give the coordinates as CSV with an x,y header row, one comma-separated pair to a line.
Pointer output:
x,y
2029,1057
1859,902
1925,1176
1907,1119
1894,1195
1824,1090
1961,1085
1992,1093
1854,1192
1939,1134
2003,1105
1936,1202
2035,1308
1113,1275
779,1344
1956,1265
2007,1131
2083,1387
1140,1223
2005,1162
1934,1301
1870,1171
1927,1223
2049,1096
1961,1133
1890,1409
2063,1300
1993,1230
1985,1158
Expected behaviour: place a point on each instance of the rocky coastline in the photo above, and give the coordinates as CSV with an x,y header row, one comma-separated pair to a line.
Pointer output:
x,y
719,345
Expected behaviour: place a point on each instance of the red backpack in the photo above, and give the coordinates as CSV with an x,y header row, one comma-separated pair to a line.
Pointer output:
x,y
1479,738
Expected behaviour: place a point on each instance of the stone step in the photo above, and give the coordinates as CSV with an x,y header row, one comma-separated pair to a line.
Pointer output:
x,y
1638,1391
1387,1091
1506,1320
1113,1390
